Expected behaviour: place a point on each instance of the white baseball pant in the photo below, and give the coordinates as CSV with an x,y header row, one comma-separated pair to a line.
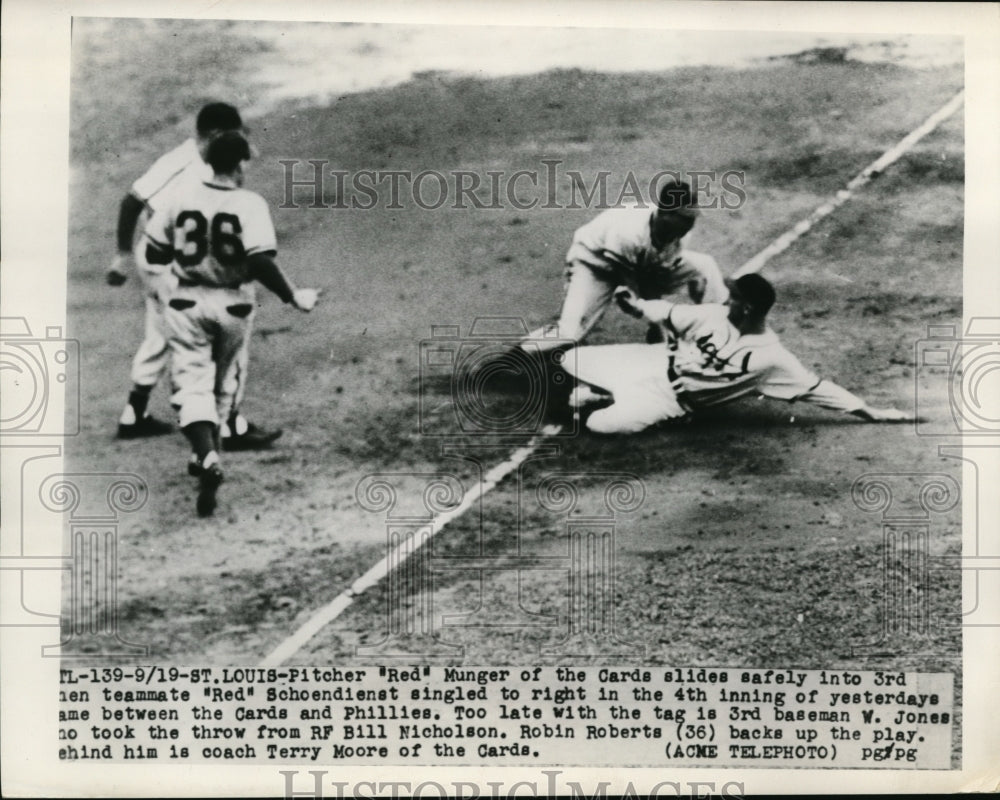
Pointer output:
x,y
152,358
636,376
207,328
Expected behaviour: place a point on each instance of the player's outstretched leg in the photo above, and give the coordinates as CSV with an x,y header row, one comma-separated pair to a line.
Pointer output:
x,y
587,297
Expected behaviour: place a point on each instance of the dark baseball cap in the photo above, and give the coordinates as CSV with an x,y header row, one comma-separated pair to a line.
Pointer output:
x,y
218,117
756,290
227,151
675,196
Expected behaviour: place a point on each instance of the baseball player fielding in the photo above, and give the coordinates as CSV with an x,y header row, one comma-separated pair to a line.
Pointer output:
x,y
634,247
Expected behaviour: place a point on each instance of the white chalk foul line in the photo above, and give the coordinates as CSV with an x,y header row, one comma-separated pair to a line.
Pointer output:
x,y
404,550
326,614
891,155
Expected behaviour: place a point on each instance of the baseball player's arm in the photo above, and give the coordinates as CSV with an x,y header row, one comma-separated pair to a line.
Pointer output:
x,y
828,394
129,211
708,286
164,170
158,236
128,215
634,306
260,243
263,268
788,379
871,414
158,253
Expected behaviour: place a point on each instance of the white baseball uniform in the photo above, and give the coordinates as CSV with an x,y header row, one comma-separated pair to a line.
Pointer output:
x,y
210,230
705,362
609,251
154,188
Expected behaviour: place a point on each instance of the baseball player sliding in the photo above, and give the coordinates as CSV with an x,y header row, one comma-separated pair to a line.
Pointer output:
x,y
148,193
637,248
217,238
715,353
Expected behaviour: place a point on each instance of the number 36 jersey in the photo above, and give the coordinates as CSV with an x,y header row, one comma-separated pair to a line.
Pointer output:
x,y
210,230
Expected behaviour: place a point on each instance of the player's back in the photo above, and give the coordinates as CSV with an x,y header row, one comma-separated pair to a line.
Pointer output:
x,y
713,363
212,229
173,167
620,237
613,227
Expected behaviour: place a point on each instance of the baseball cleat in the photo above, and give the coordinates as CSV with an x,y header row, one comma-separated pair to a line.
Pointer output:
x,y
583,395
208,485
253,438
549,331
194,466
545,340
143,428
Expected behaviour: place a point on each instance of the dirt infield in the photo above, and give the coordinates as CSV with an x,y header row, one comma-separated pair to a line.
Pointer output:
x,y
747,549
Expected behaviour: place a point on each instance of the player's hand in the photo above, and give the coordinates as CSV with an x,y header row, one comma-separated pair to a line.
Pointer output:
x,y
628,302
885,415
118,272
305,299
696,287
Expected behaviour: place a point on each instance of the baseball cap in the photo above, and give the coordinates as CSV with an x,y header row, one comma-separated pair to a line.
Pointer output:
x,y
218,117
675,196
227,151
757,291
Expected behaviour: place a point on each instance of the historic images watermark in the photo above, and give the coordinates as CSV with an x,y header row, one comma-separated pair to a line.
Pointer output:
x,y
312,183
314,783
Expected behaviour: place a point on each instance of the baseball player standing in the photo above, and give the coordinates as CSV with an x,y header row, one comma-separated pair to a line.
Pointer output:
x,y
217,238
148,193
637,248
714,354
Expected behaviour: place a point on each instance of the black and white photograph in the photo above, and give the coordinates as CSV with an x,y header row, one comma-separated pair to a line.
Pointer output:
x,y
588,401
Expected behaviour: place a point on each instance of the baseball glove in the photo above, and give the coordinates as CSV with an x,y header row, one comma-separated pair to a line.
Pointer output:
x,y
653,278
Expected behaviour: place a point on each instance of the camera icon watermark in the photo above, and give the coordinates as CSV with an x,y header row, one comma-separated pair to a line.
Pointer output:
x,y
494,381
971,365
32,368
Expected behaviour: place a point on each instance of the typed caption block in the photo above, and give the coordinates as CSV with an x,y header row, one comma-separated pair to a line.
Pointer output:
x,y
621,716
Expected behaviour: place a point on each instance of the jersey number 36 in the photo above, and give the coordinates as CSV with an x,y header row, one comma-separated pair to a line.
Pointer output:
x,y
223,240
